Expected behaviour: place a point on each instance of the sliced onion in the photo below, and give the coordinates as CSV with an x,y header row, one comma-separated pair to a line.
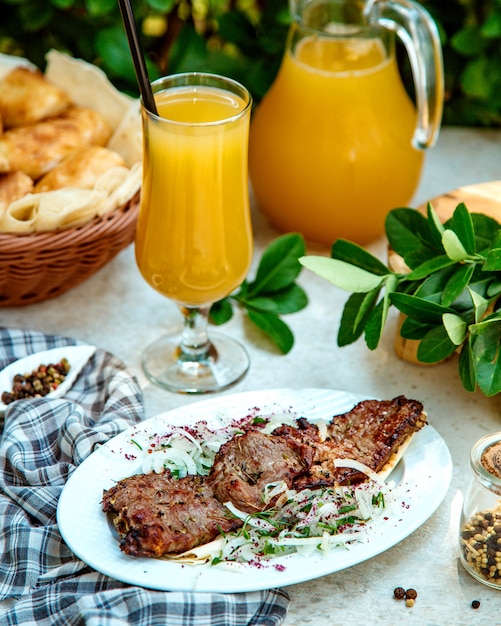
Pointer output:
x,y
255,522
361,467
322,429
272,490
186,435
178,459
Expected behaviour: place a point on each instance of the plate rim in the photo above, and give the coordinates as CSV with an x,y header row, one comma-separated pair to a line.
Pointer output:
x,y
144,572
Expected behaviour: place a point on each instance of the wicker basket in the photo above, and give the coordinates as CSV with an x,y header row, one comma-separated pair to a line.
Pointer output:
x,y
41,266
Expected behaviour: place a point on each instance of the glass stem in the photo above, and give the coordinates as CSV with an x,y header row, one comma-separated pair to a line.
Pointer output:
x,y
195,344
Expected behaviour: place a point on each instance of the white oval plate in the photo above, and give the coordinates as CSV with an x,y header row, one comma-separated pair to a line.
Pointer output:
x,y
76,355
422,477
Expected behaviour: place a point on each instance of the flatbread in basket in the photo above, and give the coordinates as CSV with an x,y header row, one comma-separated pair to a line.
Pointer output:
x,y
75,155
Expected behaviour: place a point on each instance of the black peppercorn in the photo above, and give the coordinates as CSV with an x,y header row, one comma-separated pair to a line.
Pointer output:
x,y
475,604
399,593
411,594
39,383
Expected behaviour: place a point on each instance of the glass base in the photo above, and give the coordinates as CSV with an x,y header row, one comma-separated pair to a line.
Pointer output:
x,y
167,366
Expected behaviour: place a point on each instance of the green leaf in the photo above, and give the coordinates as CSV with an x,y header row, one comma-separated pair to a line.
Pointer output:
x,y
412,329
375,325
406,230
467,41
486,354
419,309
432,287
99,7
476,78
341,274
486,228
112,46
480,305
493,259
279,265
235,27
456,328
491,28
466,366
419,256
62,4
221,312
188,52
264,308
453,246
462,224
354,254
35,15
435,346
481,281
161,6
494,288
485,325
457,283
288,300
377,319
390,287
430,267
275,328
356,312
436,226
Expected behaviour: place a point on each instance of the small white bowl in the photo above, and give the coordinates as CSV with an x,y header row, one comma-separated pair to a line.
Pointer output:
x,y
77,357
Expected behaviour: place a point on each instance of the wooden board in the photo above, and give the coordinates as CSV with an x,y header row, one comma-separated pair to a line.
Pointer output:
x,y
480,198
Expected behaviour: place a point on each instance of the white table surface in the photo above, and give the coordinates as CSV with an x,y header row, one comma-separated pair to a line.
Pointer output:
x,y
116,310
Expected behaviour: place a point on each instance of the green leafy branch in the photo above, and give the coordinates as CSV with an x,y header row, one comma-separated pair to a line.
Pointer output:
x,y
272,293
448,291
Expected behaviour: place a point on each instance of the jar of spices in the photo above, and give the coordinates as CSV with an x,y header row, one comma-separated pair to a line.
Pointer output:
x,y
480,525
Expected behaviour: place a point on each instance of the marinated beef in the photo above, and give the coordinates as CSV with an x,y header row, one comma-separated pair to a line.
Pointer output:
x,y
246,463
158,515
370,433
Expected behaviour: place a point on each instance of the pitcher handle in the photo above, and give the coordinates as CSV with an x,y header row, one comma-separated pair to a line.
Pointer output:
x,y
414,26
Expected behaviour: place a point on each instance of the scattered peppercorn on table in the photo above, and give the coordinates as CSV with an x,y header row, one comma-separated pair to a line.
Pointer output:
x,y
419,580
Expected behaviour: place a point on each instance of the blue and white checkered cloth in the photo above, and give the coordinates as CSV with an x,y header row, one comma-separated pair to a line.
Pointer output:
x,y
41,580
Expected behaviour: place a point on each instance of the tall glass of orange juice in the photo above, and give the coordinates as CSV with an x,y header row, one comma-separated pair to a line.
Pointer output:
x,y
337,142
193,239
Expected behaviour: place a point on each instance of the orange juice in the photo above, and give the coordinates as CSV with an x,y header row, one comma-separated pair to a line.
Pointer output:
x,y
330,144
193,240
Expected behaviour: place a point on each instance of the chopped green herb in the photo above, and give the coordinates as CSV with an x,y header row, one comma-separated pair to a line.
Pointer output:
x,y
378,500
260,420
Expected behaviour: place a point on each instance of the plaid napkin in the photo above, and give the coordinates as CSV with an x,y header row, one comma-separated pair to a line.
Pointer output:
x,y
41,581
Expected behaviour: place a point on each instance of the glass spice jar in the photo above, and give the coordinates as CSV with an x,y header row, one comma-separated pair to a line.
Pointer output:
x,y
480,525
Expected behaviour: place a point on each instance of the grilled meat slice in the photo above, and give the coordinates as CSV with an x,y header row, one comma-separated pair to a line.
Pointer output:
x,y
158,515
370,433
304,432
248,462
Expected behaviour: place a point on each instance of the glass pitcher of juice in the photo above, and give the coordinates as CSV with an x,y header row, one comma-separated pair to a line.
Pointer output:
x,y
337,142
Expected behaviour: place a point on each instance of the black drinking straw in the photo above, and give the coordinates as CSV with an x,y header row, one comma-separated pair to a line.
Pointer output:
x,y
137,56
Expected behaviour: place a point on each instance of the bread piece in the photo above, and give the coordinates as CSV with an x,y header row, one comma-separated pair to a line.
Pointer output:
x,y
37,149
27,97
13,186
80,169
39,212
